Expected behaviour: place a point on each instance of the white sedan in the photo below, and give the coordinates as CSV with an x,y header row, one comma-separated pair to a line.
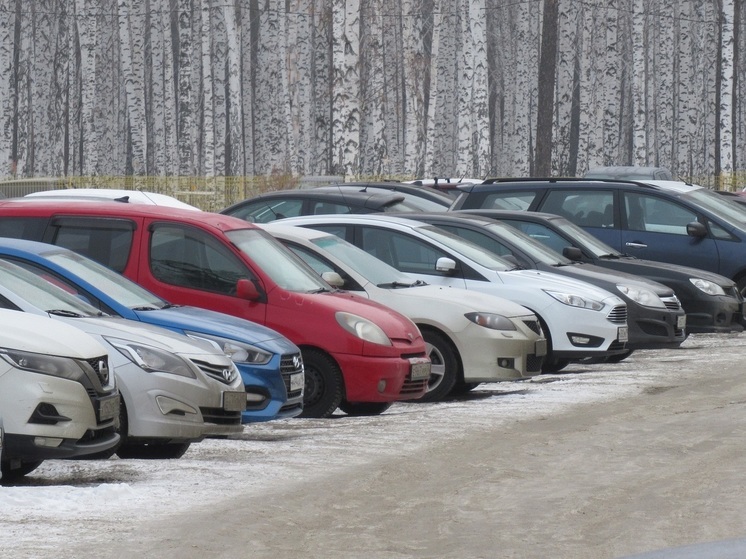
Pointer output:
x,y
471,337
579,319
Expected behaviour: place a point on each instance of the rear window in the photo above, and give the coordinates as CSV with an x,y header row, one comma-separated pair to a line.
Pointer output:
x,y
29,228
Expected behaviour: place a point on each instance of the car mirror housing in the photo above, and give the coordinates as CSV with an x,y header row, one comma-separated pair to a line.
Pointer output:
x,y
696,229
333,279
572,253
444,264
245,289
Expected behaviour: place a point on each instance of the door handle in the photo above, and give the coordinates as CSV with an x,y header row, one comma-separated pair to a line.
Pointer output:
x,y
636,245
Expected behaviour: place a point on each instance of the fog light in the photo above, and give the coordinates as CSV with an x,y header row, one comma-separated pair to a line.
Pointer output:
x,y
580,340
381,385
47,441
506,362
254,398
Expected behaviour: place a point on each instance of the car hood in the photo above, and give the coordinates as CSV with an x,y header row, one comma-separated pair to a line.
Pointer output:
x,y
195,319
603,278
548,280
665,269
39,334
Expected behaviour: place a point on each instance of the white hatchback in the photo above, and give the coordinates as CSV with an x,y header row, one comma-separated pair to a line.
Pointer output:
x,y
471,337
175,390
579,319
57,398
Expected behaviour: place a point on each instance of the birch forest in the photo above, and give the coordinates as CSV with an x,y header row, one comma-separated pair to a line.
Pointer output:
x,y
371,88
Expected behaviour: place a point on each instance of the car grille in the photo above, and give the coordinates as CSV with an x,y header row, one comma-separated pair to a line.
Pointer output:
x,y
534,363
222,373
101,367
616,345
672,303
413,387
289,365
220,416
534,326
618,315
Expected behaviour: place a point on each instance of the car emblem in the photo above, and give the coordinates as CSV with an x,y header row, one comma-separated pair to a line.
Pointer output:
x,y
227,374
297,364
103,371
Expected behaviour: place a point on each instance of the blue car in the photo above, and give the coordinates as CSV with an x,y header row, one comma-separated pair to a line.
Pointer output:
x,y
271,365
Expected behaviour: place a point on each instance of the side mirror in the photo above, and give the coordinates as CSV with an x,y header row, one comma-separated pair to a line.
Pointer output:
x,y
696,229
245,289
333,279
572,253
444,264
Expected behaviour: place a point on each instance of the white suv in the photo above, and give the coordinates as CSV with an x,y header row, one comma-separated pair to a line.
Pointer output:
x,y
57,398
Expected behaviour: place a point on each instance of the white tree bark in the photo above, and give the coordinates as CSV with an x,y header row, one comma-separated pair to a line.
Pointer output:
x,y
414,65
345,86
726,95
236,145
373,149
208,118
7,39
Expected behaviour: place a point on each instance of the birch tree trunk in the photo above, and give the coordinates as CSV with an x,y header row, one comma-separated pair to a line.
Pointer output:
x,y
346,94
186,134
724,104
546,73
219,63
131,16
7,44
235,123
567,54
87,45
640,76
373,152
414,65
208,119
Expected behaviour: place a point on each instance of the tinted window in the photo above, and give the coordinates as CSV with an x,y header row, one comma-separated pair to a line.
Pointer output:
x,y
30,228
587,208
541,233
401,251
318,207
190,258
658,215
106,241
506,200
264,211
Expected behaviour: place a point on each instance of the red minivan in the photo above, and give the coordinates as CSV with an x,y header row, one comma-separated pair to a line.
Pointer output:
x,y
359,356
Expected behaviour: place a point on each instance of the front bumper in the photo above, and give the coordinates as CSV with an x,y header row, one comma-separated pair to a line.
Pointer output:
x,y
380,379
655,328
273,391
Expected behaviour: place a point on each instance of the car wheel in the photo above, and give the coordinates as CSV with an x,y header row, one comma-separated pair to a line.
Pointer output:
x,y
153,451
324,386
14,474
364,408
445,368
741,285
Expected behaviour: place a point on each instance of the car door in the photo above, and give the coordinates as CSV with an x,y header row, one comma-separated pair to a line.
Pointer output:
x,y
409,254
654,228
187,266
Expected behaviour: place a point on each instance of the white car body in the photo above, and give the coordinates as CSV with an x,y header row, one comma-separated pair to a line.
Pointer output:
x,y
487,354
580,319
57,398
118,194
175,389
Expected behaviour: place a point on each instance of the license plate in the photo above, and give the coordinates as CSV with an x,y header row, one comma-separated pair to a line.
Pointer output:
x,y
234,401
108,408
419,369
297,381
622,333
540,348
681,322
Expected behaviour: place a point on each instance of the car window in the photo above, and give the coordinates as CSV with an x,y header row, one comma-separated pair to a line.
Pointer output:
x,y
506,200
401,251
586,208
30,228
485,241
541,233
107,241
319,207
190,258
264,211
658,215
321,265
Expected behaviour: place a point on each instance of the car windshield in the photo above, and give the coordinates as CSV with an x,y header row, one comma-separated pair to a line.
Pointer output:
x,y
537,251
42,294
116,286
733,214
466,248
594,245
415,204
371,268
285,268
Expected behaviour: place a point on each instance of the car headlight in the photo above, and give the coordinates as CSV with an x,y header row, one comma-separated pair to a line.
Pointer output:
x,y
63,367
707,286
491,320
575,300
239,352
151,359
362,328
641,296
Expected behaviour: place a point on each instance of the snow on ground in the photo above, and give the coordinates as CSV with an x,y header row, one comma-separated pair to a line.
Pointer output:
x,y
65,501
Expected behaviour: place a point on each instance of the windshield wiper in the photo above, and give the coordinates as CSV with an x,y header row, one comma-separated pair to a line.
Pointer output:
x,y
397,284
610,256
64,312
321,290
146,308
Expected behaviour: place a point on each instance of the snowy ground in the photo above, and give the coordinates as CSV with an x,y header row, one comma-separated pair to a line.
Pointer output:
x,y
72,502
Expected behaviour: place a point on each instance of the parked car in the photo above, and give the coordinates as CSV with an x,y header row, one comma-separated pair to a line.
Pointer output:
x,y
712,302
579,320
471,337
446,185
654,314
357,355
174,390
421,197
664,221
271,366
117,194
631,172
57,397
270,206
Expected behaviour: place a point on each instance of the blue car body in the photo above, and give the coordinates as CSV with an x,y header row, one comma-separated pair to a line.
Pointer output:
x,y
268,385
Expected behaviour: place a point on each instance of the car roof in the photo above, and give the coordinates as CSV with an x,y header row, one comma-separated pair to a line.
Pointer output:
x,y
379,218
414,189
41,207
116,194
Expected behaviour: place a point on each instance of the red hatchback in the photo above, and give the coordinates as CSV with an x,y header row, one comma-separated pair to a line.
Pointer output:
x,y
358,355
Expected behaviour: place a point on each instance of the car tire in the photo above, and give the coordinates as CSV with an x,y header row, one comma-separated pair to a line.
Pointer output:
x,y
462,387
741,285
445,369
14,474
364,408
153,451
324,385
